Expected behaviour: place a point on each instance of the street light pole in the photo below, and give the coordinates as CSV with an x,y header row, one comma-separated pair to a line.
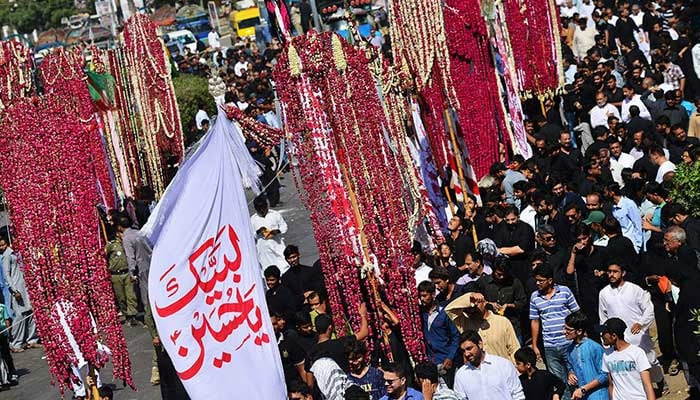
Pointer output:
x,y
314,12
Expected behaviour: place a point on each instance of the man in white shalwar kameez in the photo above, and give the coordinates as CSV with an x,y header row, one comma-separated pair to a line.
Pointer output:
x,y
269,226
632,304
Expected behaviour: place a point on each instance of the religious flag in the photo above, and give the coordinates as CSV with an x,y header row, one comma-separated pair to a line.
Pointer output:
x,y
204,285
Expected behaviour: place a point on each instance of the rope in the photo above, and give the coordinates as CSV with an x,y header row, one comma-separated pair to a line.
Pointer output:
x,y
279,172
16,321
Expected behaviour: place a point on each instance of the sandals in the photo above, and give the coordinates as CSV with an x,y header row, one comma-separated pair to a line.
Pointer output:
x,y
673,369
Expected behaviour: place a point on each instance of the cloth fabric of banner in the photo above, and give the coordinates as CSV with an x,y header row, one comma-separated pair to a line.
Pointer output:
x,y
204,286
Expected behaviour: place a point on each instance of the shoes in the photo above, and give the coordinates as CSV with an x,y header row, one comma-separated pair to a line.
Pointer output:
x,y
33,346
155,376
133,322
673,368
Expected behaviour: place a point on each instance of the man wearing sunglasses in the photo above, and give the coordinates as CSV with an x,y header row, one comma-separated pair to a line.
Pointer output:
x,y
396,385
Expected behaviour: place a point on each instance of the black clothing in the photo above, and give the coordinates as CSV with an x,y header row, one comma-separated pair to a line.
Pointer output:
x,y
442,300
676,148
683,272
691,225
302,278
520,235
305,11
637,124
292,355
624,29
542,385
621,249
171,387
676,114
646,167
616,96
510,291
334,349
283,300
306,343
586,284
461,246
566,166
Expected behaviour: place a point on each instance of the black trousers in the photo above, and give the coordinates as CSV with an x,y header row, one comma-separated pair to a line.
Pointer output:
x,y
6,354
664,327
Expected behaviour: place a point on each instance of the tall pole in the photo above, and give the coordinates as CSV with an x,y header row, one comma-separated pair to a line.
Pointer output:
x,y
458,154
314,12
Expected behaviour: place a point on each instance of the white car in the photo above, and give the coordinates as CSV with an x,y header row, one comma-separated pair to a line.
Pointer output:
x,y
179,40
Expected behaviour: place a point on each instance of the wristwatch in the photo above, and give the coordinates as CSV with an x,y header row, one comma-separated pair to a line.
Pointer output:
x,y
583,391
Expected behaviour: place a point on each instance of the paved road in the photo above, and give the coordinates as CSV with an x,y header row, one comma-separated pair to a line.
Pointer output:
x,y
35,382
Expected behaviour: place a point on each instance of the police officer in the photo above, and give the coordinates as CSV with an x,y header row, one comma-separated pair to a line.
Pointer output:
x,y
121,280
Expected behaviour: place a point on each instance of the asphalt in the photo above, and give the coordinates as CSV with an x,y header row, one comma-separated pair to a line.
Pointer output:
x,y
35,381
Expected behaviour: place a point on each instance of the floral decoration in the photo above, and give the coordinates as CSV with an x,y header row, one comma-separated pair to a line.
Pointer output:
x,y
47,172
353,187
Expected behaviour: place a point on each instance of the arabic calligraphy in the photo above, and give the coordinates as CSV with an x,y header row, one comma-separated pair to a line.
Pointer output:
x,y
224,316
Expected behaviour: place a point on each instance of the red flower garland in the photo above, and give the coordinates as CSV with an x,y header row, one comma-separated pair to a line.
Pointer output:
x,y
262,133
62,75
533,37
335,119
49,180
481,118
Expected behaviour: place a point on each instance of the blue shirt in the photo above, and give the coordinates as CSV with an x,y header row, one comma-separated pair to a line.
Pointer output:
x,y
411,394
441,337
372,382
585,359
551,313
627,213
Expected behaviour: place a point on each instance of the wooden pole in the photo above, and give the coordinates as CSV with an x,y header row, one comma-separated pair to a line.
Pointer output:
x,y
365,251
458,155
92,390
449,201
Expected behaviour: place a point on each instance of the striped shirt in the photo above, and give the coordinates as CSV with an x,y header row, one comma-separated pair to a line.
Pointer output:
x,y
331,380
446,394
551,313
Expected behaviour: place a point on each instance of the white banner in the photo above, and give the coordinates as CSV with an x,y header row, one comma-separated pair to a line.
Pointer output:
x,y
204,285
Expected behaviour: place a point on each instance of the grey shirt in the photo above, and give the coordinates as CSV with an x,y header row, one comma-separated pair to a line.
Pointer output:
x,y
12,271
138,257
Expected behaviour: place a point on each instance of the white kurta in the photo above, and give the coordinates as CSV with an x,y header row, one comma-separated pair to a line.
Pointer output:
x,y
270,251
632,304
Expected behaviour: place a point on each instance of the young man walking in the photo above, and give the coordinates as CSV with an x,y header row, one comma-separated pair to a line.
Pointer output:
x,y
627,365
632,304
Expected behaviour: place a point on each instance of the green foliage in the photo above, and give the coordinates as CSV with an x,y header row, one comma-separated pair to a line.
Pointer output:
x,y
686,188
27,15
191,91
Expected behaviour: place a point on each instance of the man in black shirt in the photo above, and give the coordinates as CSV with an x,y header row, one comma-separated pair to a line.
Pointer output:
x,y
515,239
279,298
292,355
676,214
620,247
459,242
586,269
335,348
301,279
678,142
537,384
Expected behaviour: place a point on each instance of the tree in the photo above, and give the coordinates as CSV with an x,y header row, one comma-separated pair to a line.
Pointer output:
x,y
27,15
686,187
191,91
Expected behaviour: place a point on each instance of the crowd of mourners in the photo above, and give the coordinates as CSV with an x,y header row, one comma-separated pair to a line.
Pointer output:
x,y
572,276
